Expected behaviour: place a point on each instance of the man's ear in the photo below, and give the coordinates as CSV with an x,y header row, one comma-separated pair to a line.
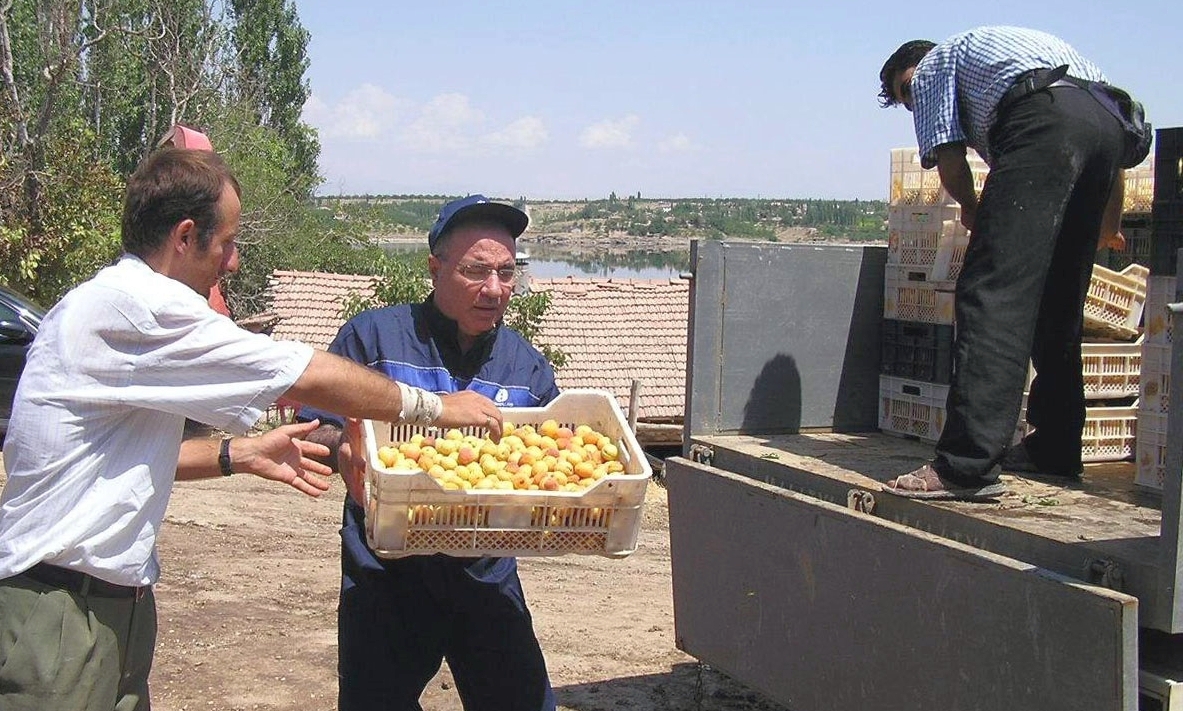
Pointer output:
x,y
433,266
183,234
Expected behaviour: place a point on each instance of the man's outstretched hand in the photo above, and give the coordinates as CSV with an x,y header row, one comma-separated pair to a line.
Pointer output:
x,y
284,455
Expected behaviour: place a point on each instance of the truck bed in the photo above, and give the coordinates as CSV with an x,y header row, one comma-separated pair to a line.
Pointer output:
x,y
1101,529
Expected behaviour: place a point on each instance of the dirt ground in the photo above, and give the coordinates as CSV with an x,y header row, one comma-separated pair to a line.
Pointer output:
x,y
248,597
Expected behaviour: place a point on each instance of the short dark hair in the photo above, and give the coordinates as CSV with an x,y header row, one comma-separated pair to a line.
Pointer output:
x,y
908,55
171,185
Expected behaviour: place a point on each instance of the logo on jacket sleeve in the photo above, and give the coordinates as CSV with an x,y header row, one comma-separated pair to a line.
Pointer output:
x,y
501,397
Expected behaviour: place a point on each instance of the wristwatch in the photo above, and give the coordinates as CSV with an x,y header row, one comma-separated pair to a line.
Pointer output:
x,y
224,458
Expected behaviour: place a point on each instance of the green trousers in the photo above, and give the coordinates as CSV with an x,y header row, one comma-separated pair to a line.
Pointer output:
x,y
69,652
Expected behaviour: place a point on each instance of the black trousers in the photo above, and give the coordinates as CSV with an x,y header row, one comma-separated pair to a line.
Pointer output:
x,y
1022,288
397,622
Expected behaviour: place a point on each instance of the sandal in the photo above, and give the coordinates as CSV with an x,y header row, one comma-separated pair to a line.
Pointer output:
x,y
926,483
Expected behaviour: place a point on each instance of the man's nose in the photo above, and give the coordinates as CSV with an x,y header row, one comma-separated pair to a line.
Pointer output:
x,y
232,263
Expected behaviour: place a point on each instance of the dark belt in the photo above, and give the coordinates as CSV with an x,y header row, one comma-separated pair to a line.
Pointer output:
x,y
1038,80
76,581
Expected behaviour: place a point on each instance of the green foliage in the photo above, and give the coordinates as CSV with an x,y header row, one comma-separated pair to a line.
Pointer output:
x,y
94,87
398,279
726,218
525,314
390,216
272,47
80,214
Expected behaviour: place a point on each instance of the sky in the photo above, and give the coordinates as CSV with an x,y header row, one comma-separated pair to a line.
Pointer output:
x,y
558,99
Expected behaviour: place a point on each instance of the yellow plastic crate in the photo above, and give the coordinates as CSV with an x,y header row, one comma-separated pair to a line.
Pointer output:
x,y
409,513
910,296
1115,301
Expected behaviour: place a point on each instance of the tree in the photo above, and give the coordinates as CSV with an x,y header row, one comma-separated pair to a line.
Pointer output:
x,y
57,209
271,47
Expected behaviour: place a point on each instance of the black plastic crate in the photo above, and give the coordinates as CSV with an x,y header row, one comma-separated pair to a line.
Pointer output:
x,y
1168,165
918,351
1166,236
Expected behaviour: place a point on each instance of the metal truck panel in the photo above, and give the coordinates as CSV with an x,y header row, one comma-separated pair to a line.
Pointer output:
x,y
821,607
784,337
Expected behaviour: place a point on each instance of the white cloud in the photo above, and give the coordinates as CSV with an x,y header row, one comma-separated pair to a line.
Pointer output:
x,y
610,133
523,134
366,112
445,124
677,143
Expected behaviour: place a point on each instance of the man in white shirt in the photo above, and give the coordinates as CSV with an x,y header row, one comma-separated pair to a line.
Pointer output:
x,y
95,440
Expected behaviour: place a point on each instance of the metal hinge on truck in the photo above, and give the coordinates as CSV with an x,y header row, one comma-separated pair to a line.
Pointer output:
x,y
702,454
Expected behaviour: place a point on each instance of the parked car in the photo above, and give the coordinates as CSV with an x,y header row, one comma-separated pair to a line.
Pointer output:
x,y
19,320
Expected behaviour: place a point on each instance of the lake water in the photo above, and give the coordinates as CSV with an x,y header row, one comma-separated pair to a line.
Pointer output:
x,y
558,269
551,263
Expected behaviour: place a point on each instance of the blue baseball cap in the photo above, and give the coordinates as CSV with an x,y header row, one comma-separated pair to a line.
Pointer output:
x,y
477,206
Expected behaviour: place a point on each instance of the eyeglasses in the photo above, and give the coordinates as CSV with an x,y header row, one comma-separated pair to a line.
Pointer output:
x,y
480,273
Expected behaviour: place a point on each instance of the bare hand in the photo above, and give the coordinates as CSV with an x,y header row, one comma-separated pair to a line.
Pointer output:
x,y
470,409
351,461
1115,241
283,455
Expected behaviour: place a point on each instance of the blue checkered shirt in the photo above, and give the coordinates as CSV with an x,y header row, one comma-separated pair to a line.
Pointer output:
x,y
957,86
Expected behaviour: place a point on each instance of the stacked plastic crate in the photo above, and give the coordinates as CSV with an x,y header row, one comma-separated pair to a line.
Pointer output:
x,y
926,248
1112,362
1166,239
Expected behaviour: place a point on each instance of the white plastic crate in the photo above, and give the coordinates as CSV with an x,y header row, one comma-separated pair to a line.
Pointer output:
x,y
913,185
1139,187
1160,291
917,409
1150,461
1155,390
1115,301
912,408
930,238
1108,434
1111,370
910,296
409,513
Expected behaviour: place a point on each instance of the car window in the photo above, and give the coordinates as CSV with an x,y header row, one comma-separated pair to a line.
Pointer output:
x,y
8,314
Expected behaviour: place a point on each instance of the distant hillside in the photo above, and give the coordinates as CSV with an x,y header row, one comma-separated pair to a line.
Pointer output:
x,y
710,218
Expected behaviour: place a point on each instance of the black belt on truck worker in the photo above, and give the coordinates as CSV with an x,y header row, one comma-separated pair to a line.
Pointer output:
x,y
1038,80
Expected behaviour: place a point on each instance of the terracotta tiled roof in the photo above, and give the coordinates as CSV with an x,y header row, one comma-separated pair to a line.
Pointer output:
x,y
308,304
612,331
617,331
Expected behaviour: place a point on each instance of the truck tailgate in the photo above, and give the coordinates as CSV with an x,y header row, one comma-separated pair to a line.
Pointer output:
x,y
821,607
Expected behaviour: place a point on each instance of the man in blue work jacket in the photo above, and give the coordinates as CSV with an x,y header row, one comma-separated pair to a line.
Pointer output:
x,y
399,619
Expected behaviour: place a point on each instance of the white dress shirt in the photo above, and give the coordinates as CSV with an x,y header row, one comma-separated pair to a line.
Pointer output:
x,y
91,450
